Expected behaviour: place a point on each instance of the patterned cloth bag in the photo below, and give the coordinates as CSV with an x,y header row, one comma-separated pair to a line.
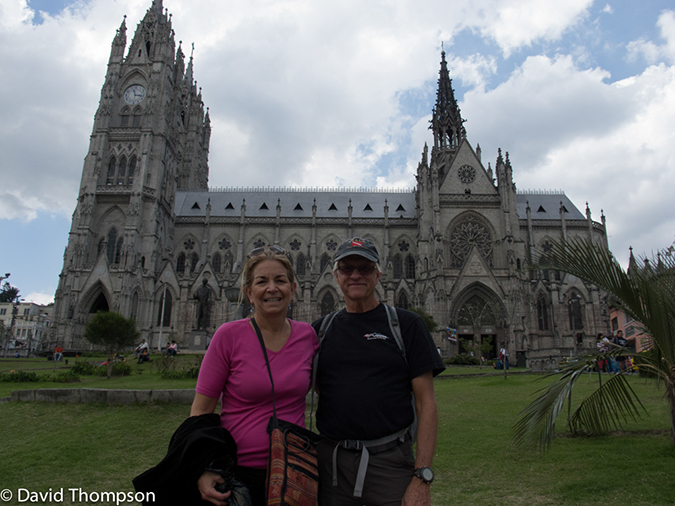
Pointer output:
x,y
292,469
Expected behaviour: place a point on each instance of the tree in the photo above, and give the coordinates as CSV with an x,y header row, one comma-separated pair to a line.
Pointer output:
x,y
9,293
646,293
113,332
426,318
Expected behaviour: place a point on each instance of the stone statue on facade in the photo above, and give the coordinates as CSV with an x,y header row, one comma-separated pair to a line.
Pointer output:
x,y
204,296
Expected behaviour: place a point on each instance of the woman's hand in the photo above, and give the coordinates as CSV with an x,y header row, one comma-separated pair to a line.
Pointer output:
x,y
207,488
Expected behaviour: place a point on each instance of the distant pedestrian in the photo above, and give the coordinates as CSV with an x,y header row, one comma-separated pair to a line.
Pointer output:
x,y
172,349
58,353
504,356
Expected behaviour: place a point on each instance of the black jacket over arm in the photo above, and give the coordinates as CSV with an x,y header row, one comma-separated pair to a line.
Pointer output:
x,y
198,443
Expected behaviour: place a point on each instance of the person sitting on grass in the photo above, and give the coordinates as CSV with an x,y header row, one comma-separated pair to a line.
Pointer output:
x,y
144,356
172,349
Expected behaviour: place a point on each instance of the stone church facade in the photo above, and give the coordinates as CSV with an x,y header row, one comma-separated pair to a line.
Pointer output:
x,y
147,231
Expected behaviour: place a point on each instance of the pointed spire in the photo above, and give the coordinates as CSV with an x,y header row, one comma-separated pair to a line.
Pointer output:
x,y
119,43
446,122
632,264
188,72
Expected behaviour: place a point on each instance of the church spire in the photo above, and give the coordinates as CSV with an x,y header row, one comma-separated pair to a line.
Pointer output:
x,y
119,43
446,122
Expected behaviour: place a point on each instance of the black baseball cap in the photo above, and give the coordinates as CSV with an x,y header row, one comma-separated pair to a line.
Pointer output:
x,y
358,246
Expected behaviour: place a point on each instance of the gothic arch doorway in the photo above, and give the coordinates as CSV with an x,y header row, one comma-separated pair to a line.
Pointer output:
x,y
478,316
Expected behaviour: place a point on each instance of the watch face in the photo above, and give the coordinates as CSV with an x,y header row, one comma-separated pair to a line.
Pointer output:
x,y
466,174
426,474
134,94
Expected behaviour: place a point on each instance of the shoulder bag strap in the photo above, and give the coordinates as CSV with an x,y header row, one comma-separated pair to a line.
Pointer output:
x,y
267,362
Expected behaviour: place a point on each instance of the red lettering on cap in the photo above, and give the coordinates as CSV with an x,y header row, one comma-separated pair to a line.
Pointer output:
x,y
357,243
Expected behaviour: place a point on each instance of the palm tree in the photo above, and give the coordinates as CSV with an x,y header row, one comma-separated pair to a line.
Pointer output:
x,y
645,292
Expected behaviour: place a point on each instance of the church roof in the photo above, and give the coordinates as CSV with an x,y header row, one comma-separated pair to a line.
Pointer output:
x,y
366,203
297,203
545,205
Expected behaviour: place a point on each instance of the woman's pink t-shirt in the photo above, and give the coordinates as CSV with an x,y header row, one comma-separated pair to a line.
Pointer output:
x,y
234,368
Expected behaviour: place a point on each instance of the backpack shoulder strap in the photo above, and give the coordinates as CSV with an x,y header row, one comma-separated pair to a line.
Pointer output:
x,y
325,323
395,328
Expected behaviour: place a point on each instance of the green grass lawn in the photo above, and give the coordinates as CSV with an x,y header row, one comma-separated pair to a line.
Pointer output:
x,y
101,447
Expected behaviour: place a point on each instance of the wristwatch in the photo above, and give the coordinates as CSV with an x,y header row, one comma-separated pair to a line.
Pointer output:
x,y
426,474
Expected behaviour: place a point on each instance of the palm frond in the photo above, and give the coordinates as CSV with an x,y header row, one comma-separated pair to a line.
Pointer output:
x,y
536,424
605,409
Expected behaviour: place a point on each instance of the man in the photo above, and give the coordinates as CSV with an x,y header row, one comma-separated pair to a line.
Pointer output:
x,y
139,349
365,384
620,340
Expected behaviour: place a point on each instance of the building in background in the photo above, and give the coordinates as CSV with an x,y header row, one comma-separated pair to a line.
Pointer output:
x,y
147,231
26,326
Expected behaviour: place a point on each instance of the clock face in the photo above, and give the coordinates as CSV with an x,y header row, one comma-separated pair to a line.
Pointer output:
x,y
134,94
466,174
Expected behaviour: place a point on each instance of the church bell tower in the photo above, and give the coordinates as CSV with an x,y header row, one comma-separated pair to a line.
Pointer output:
x,y
150,139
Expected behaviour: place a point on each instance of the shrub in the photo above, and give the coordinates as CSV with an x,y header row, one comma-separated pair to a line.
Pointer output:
x,y
167,369
84,368
62,377
462,359
18,377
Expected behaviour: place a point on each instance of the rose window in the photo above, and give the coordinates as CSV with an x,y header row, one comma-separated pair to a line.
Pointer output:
x,y
465,236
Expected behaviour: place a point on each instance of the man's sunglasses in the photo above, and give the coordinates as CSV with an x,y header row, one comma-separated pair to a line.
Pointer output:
x,y
364,270
277,250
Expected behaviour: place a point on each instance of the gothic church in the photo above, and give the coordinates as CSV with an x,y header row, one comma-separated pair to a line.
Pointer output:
x,y
147,231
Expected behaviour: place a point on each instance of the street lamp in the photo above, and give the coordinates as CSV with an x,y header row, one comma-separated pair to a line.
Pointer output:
x,y
167,275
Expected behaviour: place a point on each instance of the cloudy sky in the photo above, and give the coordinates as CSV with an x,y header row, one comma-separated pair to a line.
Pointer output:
x,y
314,93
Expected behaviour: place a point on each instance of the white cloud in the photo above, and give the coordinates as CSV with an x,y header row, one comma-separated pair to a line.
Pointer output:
x,y
517,23
651,51
608,144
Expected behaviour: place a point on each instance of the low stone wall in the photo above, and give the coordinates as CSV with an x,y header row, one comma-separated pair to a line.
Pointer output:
x,y
88,395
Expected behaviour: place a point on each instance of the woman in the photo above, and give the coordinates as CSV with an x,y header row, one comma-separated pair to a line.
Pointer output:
x,y
234,370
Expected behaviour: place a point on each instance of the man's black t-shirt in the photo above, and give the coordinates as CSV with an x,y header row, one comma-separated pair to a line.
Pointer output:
x,y
363,381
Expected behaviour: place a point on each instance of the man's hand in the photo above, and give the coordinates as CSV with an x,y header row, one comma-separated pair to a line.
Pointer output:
x,y
418,493
207,483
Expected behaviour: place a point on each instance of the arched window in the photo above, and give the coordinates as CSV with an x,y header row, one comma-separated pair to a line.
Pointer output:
x,y
118,251
110,179
476,312
132,170
166,321
112,244
216,263
574,312
137,118
124,119
194,260
398,267
327,304
409,267
325,260
542,313
134,306
403,301
180,263
300,267
122,171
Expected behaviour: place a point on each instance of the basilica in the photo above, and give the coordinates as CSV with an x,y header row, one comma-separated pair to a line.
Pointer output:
x,y
150,240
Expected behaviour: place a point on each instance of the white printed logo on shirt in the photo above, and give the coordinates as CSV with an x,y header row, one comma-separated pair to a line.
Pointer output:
x,y
375,335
